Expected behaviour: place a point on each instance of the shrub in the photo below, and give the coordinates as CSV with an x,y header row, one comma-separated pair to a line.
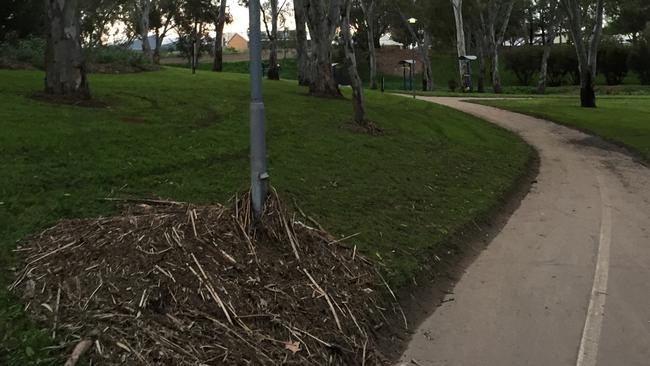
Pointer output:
x,y
115,54
612,61
25,51
562,62
638,60
523,61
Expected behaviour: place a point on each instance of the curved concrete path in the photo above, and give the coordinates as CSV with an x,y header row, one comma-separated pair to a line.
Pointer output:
x,y
567,280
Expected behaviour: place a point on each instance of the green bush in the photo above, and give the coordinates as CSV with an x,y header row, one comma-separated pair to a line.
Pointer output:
x,y
115,54
612,61
562,62
28,51
523,61
639,60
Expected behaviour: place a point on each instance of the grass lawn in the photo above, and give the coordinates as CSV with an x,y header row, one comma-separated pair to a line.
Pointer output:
x,y
173,135
622,120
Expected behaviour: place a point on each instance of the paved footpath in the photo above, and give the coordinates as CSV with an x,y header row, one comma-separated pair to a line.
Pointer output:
x,y
567,280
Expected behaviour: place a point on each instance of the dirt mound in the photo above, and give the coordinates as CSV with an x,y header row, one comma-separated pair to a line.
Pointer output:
x,y
176,284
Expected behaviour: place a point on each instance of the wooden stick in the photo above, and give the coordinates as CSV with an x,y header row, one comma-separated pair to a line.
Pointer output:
x,y
329,302
142,200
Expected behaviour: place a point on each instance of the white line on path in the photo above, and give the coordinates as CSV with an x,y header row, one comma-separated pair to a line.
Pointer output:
x,y
588,352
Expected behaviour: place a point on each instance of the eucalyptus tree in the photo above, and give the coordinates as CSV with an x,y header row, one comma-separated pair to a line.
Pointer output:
x,y
221,17
323,18
97,18
494,16
369,8
549,18
65,71
351,63
192,21
161,22
457,6
586,40
302,45
278,12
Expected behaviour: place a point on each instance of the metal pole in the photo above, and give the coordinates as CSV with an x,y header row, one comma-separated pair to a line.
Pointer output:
x,y
413,70
259,175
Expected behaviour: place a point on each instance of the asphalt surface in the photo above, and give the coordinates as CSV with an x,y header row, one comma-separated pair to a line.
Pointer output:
x,y
567,280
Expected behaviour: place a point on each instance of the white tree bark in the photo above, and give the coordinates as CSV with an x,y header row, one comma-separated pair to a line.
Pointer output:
x,y
549,38
145,10
351,63
323,17
587,55
220,22
65,72
457,5
302,45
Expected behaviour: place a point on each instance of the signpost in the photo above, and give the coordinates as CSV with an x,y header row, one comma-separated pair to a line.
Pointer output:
x,y
259,174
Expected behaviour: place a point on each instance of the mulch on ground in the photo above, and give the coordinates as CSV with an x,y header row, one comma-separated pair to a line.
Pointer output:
x,y
169,283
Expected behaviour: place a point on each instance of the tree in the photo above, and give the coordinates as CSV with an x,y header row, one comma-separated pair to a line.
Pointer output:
x,y
144,8
370,15
302,46
323,17
494,18
549,22
351,63
277,14
192,19
219,22
586,45
65,72
460,41
161,21
19,20
628,17
97,19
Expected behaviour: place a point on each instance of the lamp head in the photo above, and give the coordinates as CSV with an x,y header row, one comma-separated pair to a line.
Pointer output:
x,y
412,20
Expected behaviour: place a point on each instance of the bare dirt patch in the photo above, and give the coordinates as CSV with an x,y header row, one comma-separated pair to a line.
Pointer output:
x,y
68,100
177,284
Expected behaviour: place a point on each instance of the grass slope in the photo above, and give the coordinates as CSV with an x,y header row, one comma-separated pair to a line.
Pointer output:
x,y
622,120
173,135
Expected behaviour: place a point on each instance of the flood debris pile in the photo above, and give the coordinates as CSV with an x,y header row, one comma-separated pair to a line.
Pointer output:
x,y
176,284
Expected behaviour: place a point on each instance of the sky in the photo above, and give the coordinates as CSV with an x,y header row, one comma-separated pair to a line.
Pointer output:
x,y
240,17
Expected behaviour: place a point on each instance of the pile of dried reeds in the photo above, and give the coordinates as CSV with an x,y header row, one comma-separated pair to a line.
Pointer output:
x,y
174,284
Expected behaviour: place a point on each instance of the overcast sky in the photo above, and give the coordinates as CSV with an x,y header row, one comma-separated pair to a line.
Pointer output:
x,y
240,17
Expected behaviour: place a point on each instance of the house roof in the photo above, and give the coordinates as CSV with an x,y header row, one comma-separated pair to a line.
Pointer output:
x,y
228,36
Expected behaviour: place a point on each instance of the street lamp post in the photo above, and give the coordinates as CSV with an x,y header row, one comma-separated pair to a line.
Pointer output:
x,y
412,21
259,174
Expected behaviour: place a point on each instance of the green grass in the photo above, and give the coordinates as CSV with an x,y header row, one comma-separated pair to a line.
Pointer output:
x,y
173,135
622,120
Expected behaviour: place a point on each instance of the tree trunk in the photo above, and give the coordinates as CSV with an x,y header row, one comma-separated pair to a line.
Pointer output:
x,y
274,70
496,76
427,72
460,42
543,71
302,46
322,23
587,93
368,7
586,57
65,72
145,9
217,62
351,63
156,50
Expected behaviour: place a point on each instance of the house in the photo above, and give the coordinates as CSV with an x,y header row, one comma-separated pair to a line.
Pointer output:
x,y
235,41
